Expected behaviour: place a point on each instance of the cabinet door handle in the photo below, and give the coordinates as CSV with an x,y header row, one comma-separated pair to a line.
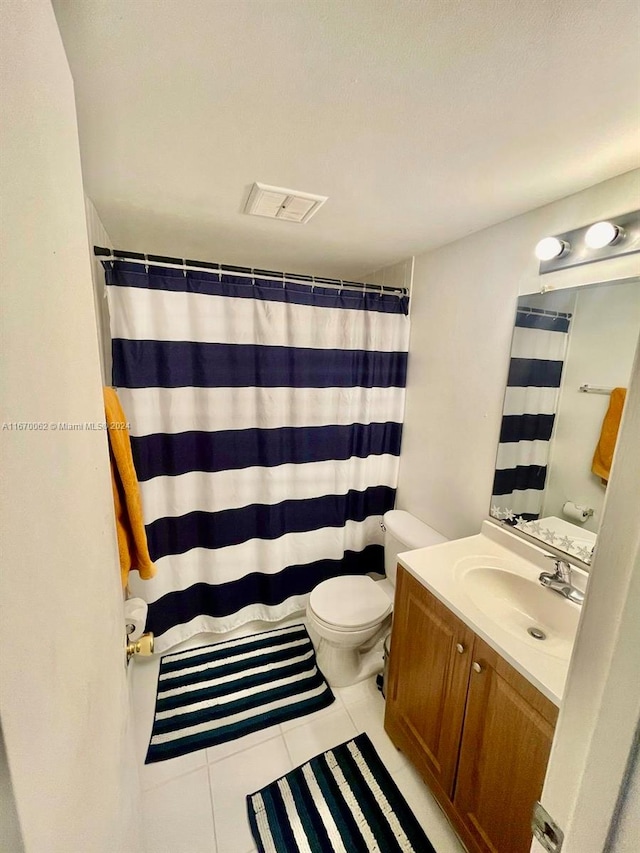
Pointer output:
x,y
459,648
476,666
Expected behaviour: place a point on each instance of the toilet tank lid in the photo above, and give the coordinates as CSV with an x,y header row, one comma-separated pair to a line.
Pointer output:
x,y
410,531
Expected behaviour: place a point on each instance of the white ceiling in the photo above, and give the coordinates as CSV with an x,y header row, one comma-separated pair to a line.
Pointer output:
x,y
422,120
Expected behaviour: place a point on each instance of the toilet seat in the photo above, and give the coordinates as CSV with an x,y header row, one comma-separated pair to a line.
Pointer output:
x,y
349,603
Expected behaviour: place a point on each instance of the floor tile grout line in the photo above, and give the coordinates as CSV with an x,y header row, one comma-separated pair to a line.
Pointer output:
x,y
288,751
213,808
210,762
313,722
281,733
179,775
357,727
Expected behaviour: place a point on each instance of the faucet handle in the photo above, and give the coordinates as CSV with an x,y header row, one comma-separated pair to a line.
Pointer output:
x,y
563,567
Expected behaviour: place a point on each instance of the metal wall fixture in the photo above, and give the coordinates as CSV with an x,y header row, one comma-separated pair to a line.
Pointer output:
x,y
142,646
594,389
610,238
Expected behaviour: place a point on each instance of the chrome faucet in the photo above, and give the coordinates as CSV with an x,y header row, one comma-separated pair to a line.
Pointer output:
x,y
560,580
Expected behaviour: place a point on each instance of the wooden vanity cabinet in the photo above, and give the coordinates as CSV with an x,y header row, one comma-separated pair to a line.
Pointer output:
x,y
428,678
506,740
480,739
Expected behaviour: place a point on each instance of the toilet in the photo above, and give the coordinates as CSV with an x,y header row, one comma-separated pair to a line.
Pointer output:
x,y
351,615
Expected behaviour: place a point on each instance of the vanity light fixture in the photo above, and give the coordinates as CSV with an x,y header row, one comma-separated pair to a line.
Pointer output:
x,y
602,234
598,241
550,247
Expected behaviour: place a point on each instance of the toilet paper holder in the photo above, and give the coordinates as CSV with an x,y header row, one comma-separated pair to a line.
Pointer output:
x,y
137,642
135,617
577,512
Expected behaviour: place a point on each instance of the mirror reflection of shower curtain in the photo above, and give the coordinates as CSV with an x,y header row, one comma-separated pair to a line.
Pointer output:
x,y
265,427
538,352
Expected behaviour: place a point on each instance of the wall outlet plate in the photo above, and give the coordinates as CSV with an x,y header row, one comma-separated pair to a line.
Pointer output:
x,y
545,830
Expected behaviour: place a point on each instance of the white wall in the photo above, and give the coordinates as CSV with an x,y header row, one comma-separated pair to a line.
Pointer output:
x,y
395,275
463,308
602,343
98,237
64,699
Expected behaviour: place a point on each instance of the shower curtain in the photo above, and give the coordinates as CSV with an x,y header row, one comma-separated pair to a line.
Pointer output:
x,y
266,421
538,351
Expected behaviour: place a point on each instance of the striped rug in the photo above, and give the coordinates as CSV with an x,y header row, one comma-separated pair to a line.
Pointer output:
x,y
212,694
342,801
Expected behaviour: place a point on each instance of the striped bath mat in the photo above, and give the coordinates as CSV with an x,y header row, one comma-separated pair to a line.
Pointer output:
x,y
343,801
218,693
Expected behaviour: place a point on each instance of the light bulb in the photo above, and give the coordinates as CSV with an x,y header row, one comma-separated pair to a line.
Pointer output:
x,y
601,234
549,248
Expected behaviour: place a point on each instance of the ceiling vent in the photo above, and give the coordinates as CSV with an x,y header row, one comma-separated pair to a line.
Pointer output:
x,y
280,203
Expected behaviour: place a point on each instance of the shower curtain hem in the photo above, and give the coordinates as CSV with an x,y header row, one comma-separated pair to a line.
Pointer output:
x,y
204,624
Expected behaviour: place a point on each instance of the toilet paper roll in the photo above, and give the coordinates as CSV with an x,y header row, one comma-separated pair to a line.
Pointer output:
x,y
135,614
576,512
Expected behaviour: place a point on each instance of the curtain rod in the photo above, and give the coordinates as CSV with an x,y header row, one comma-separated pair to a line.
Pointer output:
x,y
243,272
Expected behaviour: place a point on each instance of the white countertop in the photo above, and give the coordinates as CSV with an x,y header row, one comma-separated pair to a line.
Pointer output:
x,y
434,568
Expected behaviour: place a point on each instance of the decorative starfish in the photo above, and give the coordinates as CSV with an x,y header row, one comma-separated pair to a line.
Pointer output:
x,y
509,515
534,527
496,512
584,554
549,535
566,542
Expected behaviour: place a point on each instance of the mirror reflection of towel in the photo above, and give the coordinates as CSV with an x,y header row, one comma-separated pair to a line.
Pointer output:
x,y
603,456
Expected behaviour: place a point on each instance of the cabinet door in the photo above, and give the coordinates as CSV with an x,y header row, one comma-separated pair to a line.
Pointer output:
x,y
428,675
506,740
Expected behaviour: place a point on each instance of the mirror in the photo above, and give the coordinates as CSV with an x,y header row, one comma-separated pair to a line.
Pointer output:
x,y
570,349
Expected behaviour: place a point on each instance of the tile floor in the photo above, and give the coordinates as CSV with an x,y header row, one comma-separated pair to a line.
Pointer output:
x,y
196,803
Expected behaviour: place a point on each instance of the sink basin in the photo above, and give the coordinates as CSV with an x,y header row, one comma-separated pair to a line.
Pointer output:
x,y
509,593
490,581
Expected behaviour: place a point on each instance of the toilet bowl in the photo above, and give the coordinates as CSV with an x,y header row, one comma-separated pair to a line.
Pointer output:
x,y
351,615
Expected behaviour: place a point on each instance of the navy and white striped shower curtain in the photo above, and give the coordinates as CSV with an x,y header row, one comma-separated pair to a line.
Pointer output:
x,y
266,423
538,351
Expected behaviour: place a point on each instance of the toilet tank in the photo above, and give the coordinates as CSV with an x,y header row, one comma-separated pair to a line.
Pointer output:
x,y
405,532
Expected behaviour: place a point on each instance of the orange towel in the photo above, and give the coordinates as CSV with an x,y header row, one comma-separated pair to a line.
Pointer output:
x,y
603,456
132,538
